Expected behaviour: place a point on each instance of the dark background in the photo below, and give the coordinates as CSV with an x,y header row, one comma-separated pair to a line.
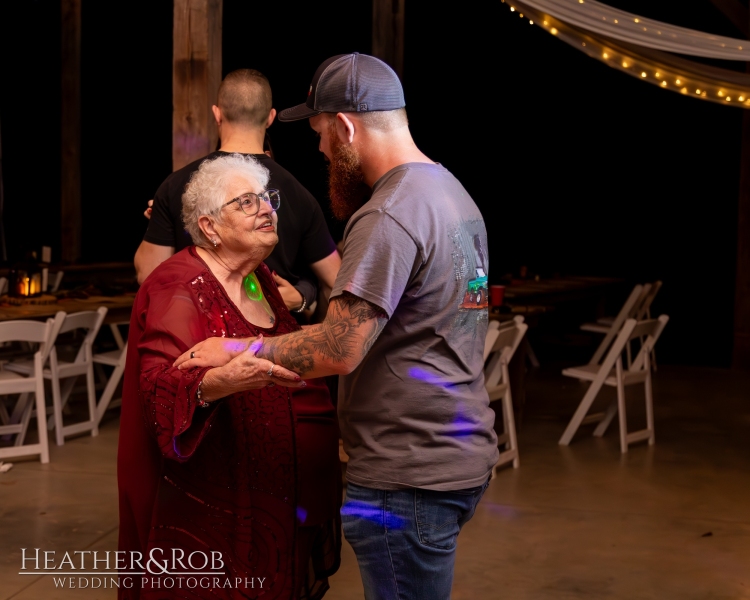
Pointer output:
x,y
577,168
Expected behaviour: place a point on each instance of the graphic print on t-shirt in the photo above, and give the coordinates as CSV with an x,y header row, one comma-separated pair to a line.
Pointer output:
x,y
470,263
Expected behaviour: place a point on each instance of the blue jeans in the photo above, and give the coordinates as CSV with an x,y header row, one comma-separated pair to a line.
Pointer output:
x,y
405,540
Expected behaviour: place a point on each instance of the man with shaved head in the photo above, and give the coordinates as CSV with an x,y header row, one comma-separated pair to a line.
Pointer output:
x,y
305,250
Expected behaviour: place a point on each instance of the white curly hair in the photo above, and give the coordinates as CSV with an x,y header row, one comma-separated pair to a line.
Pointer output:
x,y
205,194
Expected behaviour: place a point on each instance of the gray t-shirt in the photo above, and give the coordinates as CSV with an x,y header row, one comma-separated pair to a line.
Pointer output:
x,y
415,412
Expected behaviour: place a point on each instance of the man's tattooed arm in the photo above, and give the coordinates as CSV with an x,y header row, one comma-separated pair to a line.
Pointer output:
x,y
335,346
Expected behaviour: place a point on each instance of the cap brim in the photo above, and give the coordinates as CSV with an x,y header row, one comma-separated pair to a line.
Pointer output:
x,y
296,113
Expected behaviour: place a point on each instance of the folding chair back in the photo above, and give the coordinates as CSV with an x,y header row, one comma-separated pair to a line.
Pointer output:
x,y
55,280
500,345
631,305
13,383
89,321
505,342
644,310
115,359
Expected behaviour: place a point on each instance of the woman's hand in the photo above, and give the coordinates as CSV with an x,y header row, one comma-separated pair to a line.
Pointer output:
x,y
213,352
246,372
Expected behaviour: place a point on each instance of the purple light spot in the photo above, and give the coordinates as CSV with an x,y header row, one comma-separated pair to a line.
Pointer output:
x,y
256,346
233,346
430,378
506,512
301,514
372,513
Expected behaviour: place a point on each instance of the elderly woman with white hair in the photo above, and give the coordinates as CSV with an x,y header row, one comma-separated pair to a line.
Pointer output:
x,y
235,464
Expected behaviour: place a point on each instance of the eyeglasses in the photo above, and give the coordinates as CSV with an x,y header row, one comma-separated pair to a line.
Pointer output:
x,y
250,203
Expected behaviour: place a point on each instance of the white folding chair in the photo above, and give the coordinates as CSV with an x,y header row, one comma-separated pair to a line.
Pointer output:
x,y
628,311
89,321
116,359
611,372
14,383
499,346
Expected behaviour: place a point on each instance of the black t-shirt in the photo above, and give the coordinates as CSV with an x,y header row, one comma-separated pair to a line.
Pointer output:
x,y
303,234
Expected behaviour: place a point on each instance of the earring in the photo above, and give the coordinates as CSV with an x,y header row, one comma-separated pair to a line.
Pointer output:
x,y
214,243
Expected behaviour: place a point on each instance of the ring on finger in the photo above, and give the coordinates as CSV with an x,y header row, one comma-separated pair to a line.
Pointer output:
x,y
270,371
192,355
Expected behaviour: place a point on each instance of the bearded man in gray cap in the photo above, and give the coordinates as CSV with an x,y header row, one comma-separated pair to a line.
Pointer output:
x,y
405,329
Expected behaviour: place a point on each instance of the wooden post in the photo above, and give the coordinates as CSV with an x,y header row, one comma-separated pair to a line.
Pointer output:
x,y
70,202
196,75
741,345
388,33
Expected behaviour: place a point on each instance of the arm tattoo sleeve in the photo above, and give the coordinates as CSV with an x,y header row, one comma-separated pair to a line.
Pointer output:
x,y
341,341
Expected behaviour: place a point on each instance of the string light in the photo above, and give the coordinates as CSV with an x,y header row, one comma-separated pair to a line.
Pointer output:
x,y
706,83
637,20
512,9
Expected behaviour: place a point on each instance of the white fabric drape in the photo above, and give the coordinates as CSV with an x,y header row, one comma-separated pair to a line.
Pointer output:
x,y
627,27
668,71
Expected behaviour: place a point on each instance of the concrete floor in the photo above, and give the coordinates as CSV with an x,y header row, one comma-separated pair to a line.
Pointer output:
x,y
670,521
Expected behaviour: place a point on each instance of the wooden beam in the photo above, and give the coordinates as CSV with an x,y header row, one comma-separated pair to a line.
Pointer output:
x,y
196,75
736,12
741,345
70,201
388,33
3,248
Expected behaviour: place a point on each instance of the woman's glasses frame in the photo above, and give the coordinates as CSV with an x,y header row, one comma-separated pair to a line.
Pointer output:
x,y
249,202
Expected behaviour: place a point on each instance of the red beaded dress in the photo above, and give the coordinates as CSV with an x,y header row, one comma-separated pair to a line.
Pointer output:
x,y
254,477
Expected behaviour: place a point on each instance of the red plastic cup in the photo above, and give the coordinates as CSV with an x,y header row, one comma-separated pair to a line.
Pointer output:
x,y
497,292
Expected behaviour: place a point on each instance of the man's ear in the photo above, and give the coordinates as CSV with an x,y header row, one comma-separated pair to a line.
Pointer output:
x,y
217,113
207,225
344,128
271,117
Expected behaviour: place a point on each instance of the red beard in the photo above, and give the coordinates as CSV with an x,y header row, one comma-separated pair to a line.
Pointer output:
x,y
346,186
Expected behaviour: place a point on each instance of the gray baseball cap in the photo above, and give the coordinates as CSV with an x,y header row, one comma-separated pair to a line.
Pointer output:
x,y
349,83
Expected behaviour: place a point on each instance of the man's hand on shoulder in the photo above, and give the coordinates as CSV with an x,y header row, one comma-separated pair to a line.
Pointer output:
x,y
291,296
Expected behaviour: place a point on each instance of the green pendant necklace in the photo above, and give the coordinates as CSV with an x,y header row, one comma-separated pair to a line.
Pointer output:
x,y
252,287
254,292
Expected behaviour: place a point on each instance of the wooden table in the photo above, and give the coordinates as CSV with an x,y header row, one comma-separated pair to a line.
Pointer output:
x,y
119,308
558,290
